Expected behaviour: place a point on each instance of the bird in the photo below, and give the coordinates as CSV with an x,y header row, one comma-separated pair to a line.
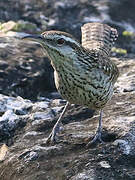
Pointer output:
x,y
84,73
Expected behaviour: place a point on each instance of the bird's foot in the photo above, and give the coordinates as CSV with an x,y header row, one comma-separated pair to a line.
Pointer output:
x,y
96,138
53,135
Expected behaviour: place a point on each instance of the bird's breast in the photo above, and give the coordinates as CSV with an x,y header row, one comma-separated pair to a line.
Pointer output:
x,y
87,88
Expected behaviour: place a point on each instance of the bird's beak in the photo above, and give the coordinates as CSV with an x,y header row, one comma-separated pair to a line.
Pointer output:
x,y
33,37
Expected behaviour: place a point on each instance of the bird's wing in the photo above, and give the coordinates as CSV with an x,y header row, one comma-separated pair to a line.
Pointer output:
x,y
109,68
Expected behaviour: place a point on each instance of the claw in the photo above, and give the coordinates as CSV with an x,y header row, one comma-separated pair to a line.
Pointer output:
x,y
53,134
57,128
96,138
98,134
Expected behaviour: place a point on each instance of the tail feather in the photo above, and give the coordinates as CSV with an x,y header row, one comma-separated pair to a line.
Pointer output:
x,y
99,37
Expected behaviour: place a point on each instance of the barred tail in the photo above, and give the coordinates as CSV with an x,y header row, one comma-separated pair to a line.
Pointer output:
x,y
99,37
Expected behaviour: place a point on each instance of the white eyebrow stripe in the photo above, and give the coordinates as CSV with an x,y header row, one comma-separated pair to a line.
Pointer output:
x,y
69,39
66,38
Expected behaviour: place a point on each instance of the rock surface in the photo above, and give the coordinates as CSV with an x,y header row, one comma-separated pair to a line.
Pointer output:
x,y
26,121
29,124
24,70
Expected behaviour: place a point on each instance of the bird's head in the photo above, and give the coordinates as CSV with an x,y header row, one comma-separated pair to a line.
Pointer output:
x,y
60,46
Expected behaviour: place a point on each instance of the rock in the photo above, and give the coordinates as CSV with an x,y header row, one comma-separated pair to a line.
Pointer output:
x,y
14,115
5,27
124,146
105,164
69,158
3,152
24,70
85,175
18,26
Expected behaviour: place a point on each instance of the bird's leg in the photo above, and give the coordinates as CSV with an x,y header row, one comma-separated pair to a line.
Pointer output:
x,y
98,132
56,128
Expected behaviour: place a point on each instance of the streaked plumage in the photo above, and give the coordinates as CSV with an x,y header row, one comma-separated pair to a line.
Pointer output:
x,y
84,74
87,75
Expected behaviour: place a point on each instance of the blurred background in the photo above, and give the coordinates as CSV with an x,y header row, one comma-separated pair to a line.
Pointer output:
x,y
23,65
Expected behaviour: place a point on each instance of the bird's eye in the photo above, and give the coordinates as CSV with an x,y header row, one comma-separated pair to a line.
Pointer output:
x,y
60,41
